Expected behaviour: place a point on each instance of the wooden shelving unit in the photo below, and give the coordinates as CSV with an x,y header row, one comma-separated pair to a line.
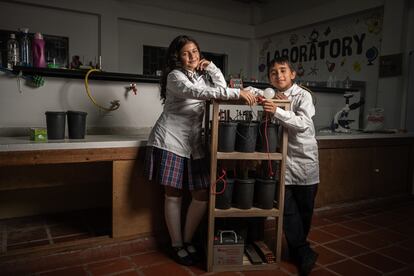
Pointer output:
x,y
214,213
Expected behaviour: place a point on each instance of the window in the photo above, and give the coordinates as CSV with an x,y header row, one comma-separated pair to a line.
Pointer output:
x,y
154,59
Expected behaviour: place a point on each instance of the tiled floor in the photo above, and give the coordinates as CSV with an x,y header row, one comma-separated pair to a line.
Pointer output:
x,y
358,240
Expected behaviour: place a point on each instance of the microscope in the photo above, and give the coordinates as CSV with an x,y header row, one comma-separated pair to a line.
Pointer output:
x,y
340,122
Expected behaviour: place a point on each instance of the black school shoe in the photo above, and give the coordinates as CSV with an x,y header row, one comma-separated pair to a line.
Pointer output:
x,y
181,256
192,250
307,263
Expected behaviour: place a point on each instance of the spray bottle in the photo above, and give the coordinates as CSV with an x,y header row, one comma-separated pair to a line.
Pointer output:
x,y
39,51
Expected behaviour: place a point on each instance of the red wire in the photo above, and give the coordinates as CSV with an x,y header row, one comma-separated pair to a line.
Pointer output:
x,y
222,177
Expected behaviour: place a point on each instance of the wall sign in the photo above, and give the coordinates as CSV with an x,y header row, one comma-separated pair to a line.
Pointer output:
x,y
343,48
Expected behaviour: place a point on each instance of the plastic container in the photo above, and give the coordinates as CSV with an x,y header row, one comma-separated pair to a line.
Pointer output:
x,y
264,193
226,136
223,200
13,56
76,124
39,51
25,49
243,192
55,122
246,136
269,144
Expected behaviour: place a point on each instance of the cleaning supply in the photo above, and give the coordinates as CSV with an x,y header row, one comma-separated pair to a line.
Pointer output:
x,y
13,56
25,49
39,51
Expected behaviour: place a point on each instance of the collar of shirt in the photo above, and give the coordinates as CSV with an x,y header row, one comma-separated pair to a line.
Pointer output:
x,y
292,91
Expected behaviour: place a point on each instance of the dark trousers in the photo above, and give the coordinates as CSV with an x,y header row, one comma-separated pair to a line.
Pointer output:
x,y
297,218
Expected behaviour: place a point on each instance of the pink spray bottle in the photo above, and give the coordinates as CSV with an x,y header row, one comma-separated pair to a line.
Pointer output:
x,y
39,51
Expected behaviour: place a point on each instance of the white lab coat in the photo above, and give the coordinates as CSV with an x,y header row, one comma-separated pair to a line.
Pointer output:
x,y
302,163
178,129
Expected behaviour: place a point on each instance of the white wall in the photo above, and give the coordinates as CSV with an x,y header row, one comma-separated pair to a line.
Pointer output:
x,y
117,29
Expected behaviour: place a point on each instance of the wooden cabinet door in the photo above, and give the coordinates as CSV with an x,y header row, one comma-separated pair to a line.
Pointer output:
x,y
345,175
391,170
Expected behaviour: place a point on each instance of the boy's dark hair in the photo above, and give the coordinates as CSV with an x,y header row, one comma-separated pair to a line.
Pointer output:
x,y
173,60
279,60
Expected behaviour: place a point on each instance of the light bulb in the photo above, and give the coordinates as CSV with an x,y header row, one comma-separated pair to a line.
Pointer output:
x,y
269,93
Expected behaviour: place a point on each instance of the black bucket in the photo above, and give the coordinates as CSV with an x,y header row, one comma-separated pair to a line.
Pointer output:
x,y
243,193
264,193
226,136
246,136
76,124
55,123
223,200
268,144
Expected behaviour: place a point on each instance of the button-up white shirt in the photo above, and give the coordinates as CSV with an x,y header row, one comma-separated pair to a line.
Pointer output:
x,y
178,129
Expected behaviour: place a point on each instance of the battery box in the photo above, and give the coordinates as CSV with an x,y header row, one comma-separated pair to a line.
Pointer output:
x,y
228,248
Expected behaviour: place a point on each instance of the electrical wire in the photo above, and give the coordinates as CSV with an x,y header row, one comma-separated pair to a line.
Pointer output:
x,y
114,104
222,177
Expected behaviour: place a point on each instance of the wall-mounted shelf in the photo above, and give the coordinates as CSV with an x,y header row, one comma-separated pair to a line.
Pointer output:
x,y
315,88
80,74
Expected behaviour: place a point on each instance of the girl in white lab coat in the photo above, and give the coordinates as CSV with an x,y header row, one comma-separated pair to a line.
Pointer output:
x,y
175,156
302,164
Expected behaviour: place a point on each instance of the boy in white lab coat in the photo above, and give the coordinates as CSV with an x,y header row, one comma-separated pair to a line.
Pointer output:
x,y
302,165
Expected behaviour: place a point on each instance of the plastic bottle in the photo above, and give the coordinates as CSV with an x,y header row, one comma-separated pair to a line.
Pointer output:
x,y
25,50
39,51
12,52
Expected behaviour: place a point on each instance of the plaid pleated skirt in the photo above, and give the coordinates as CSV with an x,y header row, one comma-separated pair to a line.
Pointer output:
x,y
169,169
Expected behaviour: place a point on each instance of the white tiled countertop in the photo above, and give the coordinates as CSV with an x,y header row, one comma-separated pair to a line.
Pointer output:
x,y
22,143
360,135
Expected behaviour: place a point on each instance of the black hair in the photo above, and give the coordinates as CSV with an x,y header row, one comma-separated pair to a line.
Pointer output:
x,y
173,60
279,60
285,60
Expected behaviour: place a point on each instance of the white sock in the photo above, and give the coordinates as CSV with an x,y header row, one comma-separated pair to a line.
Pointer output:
x,y
172,212
195,213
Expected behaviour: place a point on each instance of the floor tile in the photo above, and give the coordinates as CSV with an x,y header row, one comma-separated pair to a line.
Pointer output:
x,y
148,259
350,267
327,256
346,248
318,221
384,219
319,236
110,266
338,230
359,225
368,241
277,272
78,271
387,235
169,268
398,253
322,272
379,262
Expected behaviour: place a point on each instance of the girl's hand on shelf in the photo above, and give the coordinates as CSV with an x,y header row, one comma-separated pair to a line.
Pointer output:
x,y
247,97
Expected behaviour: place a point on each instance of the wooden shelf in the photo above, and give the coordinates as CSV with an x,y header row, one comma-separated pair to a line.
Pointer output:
x,y
252,212
244,267
318,87
249,155
244,213
80,74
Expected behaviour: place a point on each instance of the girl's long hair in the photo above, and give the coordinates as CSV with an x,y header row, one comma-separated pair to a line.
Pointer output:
x,y
173,60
